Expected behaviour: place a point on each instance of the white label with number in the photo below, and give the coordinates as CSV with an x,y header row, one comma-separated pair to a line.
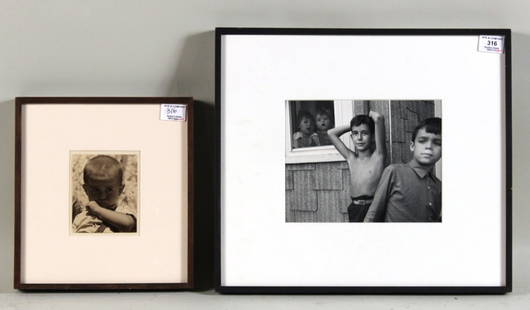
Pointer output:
x,y
491,44
173,112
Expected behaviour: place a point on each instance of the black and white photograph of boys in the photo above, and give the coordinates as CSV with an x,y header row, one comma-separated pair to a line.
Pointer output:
x,y
104,192
364,161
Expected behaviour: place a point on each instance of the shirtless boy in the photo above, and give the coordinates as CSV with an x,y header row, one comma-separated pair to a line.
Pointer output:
x,y
365,161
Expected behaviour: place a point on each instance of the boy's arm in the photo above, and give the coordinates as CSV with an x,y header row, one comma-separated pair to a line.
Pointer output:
x,y
334,134
379,121
376,212
121,221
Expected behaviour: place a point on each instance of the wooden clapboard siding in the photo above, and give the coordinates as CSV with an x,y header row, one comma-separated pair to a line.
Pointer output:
x,y
405,116
303,197
320,192
328,177
382,107
301,216
289,182
317,194
361,107
329,206
345,197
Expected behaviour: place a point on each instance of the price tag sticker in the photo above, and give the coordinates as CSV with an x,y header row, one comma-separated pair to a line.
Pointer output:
x,y
173,112
491,44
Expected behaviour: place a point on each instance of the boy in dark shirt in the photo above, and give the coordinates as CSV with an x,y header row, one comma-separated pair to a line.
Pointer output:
x,y
410,192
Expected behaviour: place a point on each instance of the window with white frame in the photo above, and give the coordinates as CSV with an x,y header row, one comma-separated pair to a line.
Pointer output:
x,y
307,123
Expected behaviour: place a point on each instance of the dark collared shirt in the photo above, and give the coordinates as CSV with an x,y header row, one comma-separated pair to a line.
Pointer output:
x,y
406,193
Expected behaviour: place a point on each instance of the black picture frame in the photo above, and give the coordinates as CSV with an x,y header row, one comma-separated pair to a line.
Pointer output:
x,y
221,33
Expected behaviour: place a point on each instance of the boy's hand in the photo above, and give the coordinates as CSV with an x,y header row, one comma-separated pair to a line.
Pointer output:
x,y
314,138
375,115
297,136
92,208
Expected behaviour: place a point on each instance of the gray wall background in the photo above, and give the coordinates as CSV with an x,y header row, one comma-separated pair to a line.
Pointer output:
x,y
165,48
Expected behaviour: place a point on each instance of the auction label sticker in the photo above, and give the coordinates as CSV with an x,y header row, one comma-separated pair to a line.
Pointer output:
x,y
173,112
491,44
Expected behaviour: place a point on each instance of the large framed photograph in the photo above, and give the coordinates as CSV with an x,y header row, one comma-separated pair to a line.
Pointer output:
x,y
331,163
104,193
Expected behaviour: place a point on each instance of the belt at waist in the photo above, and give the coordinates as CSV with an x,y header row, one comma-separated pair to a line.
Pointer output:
x,y
362,200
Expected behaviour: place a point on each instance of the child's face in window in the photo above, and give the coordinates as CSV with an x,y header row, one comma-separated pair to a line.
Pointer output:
x,y
427,147
306,125
323,122
362,138
104,191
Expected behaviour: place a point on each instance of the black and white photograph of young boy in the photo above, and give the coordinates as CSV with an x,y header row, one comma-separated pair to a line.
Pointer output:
x,y
104,192
381,161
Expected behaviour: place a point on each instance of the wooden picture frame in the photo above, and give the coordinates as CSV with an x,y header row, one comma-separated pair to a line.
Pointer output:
x,y
108,128
260,249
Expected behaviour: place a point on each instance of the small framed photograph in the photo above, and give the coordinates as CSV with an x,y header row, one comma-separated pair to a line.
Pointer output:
x,y
104,193
331,163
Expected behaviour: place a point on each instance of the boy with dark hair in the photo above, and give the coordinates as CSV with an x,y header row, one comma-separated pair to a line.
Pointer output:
x,y
410,192
363,119
365,161
323,124
306,135
103,184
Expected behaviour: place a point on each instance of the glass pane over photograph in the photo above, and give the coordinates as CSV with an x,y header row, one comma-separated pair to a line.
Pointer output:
x,y
115,190
299,193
